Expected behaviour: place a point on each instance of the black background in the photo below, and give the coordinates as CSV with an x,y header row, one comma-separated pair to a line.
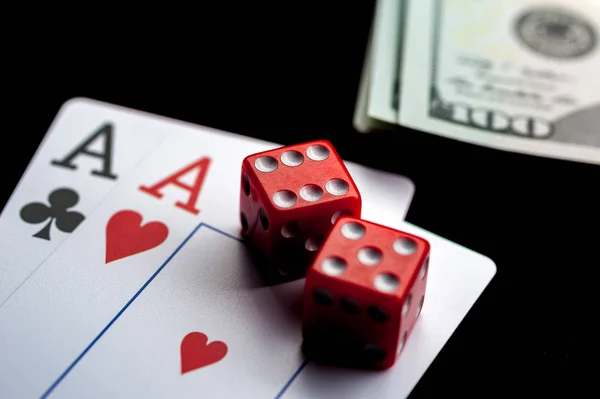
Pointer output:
x,y
290,74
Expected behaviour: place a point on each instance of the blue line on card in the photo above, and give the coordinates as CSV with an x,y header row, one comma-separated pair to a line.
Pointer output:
x,y
222,232
86,350
109,325
292,378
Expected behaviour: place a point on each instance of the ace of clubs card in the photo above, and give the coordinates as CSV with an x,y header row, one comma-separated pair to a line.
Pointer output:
x,y
133,235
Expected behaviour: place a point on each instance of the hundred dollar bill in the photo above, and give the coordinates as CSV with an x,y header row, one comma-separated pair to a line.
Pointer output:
x,y
519,75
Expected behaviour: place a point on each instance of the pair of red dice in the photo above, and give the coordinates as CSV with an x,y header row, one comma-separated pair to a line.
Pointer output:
x,y
365,283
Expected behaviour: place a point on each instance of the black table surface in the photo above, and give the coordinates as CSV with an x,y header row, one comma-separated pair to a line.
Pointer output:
x,y
290,74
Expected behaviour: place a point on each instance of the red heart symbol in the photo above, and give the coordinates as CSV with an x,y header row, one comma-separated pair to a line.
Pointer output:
x,y
196,353
125,235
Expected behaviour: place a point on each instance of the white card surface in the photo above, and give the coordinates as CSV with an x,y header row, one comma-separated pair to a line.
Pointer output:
x,y
207,288
76,297
106,142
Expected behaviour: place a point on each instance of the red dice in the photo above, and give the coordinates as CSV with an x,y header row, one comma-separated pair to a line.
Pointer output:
x,y
364,293
289,199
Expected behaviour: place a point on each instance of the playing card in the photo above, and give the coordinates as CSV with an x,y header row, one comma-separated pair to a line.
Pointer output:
x,y
189,184
87,150
84,154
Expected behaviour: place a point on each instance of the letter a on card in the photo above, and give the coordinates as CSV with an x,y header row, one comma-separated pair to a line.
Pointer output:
x,y
105,134
200,167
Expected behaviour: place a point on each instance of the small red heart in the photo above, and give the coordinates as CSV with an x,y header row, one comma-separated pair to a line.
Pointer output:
x,y
125,235
196,352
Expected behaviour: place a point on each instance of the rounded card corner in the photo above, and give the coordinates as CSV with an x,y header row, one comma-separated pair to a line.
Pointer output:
x,y
74,102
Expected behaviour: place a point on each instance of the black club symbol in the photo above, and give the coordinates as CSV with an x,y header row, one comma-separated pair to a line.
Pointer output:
x,y
60,201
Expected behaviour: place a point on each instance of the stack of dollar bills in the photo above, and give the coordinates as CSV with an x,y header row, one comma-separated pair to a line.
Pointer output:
x,y
515,75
